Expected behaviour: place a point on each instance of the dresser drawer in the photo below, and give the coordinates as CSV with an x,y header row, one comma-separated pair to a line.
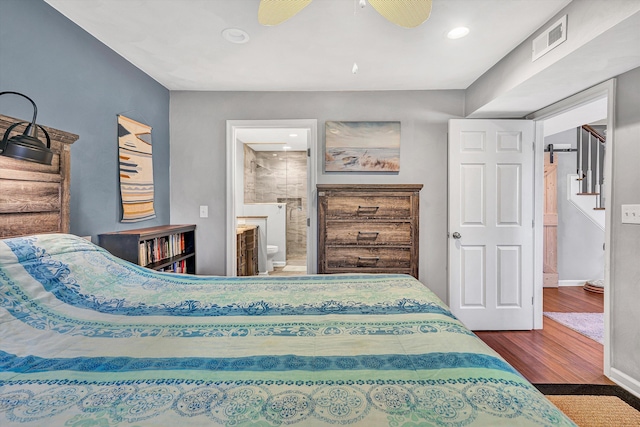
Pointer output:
x,y
343,206
368,233
363,257
369,228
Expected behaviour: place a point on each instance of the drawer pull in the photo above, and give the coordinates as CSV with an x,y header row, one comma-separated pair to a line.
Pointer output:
x,y
368,209
371,235
369,258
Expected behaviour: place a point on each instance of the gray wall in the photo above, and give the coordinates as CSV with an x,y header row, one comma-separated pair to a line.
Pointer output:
x,y
580,252
625,265
198,162
79,86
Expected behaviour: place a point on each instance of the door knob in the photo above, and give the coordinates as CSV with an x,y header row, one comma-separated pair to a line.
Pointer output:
x,y
456,235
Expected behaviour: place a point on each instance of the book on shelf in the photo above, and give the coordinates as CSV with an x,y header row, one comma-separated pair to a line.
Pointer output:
x,y
155,247
176,267
159,248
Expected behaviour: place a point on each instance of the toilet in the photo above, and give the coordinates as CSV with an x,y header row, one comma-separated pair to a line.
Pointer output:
x,y
272,250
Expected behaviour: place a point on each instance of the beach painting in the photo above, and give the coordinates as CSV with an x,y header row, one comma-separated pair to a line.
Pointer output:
x,y
362,146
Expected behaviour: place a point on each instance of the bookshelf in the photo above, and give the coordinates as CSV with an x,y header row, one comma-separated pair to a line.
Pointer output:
x,y
161,248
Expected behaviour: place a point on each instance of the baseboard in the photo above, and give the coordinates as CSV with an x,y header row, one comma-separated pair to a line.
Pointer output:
x,y
625,381
279,263
579,282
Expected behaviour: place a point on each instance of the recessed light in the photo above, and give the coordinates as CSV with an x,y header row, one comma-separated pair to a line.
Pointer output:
x,y
235,35
286,147
293,135
458,33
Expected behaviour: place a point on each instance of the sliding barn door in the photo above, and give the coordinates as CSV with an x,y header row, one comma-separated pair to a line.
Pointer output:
x,y
550,245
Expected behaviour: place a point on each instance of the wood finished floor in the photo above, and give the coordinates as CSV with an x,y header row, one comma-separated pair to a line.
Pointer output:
x,y
555,354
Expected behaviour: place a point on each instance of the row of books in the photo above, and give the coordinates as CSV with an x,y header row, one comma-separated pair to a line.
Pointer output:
x,y
161,248
176,267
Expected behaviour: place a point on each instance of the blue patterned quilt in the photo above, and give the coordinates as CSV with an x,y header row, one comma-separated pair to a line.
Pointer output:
x,y
87,339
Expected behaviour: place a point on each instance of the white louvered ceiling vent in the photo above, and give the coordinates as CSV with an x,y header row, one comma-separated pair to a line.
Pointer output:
x,y
550,38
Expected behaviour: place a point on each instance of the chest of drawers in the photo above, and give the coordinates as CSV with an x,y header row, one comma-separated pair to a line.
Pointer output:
x,y
365,228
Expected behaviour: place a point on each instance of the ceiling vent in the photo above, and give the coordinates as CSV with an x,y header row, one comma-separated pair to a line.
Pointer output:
x,y
550,38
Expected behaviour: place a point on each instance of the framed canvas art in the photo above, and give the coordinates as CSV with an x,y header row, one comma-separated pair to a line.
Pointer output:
x,y
362,146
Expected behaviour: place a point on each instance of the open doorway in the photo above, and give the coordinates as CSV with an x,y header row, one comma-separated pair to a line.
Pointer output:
x,y
593,107
271,187
574,216
558,354
574,220
274,176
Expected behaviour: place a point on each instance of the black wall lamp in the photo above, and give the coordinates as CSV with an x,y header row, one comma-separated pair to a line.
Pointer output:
x,y
26,146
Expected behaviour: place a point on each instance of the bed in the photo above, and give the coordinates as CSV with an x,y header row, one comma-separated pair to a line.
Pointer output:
x,y
87,339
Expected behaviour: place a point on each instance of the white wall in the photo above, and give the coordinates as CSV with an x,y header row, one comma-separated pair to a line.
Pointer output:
x,y
198,169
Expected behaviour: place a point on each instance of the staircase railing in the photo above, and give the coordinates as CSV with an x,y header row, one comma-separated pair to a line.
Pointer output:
x,y
590,167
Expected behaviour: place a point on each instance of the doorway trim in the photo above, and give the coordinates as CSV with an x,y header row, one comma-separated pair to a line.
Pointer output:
x,y
311,125
606,89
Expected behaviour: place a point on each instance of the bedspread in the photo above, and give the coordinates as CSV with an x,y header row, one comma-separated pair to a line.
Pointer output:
x,y
87,339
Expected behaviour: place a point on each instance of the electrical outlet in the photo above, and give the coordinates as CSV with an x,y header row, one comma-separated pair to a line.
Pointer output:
x,y
204,211
631,214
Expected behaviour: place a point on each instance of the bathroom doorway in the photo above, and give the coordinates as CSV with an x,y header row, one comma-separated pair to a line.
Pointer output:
x,y
275,185
271,183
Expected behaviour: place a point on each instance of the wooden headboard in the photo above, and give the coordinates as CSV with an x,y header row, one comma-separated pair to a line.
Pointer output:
x,y
34,198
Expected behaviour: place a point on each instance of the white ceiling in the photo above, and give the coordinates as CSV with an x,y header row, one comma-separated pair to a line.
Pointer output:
x,y
179,43
591,113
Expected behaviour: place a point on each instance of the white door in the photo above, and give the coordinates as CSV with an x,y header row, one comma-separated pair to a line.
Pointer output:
x,y
491,238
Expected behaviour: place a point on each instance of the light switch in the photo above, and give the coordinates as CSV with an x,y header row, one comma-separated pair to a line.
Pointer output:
x,y
204,211
631,214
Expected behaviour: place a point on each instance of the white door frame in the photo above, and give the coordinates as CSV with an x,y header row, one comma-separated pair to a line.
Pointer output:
x,y
605,89
312,136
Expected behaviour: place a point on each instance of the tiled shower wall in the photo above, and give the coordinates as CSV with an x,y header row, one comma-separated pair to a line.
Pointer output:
x,y
250,166
280,177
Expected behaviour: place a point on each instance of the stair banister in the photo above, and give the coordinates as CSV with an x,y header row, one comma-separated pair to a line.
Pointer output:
x,y
580,175
589,171
598,168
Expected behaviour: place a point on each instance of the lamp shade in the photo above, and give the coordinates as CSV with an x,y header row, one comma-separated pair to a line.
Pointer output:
x,y
26,146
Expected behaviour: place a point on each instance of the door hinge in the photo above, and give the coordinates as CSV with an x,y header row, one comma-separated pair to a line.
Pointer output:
x,y
533,146
308,152
531,300
308,222
533,223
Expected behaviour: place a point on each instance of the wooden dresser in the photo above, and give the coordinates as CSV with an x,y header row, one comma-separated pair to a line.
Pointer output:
x,y
364,228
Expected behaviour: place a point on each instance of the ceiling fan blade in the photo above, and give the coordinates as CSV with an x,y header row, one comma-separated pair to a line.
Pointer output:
x,y
274,12
405,13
